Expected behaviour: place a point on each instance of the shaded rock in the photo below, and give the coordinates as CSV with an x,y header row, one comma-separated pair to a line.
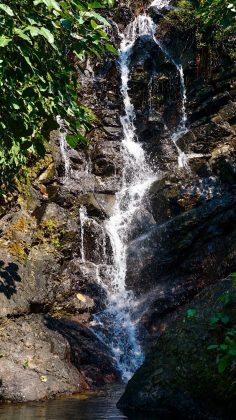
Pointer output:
x,y
180,378
42,357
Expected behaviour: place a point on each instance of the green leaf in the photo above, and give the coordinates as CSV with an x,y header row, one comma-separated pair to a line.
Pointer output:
x,y
52,4
94,24
22,34
223,347
4,40
47,34
6,9
112,49
222,364
26,364
72,140
213,347
225,319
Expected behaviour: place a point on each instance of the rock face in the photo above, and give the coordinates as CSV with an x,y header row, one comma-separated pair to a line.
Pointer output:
x,y
54,248
42,357
180,378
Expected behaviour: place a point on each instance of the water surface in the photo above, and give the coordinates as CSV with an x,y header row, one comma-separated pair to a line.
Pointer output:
x,y
94,407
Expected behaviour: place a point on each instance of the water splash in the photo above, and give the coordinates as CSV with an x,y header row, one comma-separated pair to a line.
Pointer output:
x,y
64,150
83,219
160,4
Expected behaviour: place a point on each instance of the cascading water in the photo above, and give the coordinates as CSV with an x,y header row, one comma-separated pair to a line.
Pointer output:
x,y
64,150
115,326
83,218
137,177
182,127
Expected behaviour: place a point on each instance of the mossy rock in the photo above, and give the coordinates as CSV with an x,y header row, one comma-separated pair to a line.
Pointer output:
x,y
180,378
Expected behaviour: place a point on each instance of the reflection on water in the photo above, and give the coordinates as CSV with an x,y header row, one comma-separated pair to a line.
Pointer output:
x,y
101,407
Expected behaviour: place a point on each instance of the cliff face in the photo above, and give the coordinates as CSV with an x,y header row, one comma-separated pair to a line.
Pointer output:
x,y
54,248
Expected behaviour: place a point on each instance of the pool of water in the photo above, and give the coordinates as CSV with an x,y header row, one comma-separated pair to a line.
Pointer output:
x,y
78,407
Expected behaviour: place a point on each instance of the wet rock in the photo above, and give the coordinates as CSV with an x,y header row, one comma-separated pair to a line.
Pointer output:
x,y
114,131
83,278
107,202
185,251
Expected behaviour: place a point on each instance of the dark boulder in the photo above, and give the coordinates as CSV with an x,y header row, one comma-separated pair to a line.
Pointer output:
x,y
179,378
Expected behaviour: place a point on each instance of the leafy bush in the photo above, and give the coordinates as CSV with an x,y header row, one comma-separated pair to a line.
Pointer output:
x,y
220,15
42,43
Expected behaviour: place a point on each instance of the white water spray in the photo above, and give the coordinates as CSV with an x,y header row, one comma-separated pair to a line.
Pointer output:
x,y
160,4
182,128
64,150
83,219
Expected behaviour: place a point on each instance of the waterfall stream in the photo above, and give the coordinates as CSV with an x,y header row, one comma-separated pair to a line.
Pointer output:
x,y
64,150
138,176
116,326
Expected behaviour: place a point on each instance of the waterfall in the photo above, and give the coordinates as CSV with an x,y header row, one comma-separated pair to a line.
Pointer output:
x,y
64,150
116,326
83,219
160,4
182,128
137,178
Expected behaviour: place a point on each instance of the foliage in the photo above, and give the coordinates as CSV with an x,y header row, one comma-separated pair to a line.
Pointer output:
x,y
182,16
220,15
221,321
42,43
216,18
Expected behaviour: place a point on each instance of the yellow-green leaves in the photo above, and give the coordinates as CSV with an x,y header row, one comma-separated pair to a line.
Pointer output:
x,y
4,40
6,9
